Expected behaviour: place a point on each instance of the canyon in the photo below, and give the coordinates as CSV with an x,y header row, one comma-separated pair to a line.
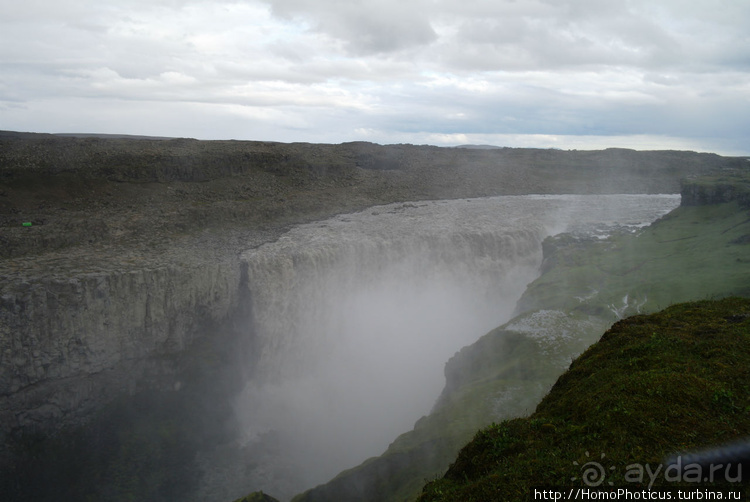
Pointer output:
x,y
183,269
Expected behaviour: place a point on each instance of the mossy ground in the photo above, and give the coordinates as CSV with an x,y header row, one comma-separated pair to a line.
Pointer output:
x,y
653,385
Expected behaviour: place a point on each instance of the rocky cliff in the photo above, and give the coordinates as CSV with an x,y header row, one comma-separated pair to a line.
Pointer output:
x,y
70,342
727,187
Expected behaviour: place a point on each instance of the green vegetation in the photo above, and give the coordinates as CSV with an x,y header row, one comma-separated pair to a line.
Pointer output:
x,y
652,386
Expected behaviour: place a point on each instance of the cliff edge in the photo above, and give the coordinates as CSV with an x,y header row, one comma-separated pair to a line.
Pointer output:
x,y
727,187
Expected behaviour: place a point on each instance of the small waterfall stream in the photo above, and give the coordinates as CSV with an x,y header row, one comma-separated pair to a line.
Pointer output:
x,y
355,317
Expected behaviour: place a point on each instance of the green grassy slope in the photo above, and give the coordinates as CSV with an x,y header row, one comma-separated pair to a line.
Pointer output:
x,y
653,385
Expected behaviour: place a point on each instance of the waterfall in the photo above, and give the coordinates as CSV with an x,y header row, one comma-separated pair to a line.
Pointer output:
x,y
354,317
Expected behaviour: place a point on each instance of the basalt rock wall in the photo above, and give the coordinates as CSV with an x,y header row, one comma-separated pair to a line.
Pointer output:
x,y
68,344
717,190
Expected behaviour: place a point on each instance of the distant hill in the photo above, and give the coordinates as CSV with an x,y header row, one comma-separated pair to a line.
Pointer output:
x,y
38,135
480,147
111,136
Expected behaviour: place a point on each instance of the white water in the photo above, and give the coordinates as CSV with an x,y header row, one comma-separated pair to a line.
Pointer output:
x,y
356,316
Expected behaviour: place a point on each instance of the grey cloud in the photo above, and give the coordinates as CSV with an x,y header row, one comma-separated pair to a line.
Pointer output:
x,y
573,33
364,27
556,38
536,108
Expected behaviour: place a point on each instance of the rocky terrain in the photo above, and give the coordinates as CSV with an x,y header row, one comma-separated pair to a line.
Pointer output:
x,y
119,255
103,195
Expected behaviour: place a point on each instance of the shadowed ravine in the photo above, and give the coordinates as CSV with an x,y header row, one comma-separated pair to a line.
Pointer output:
x,y
355,317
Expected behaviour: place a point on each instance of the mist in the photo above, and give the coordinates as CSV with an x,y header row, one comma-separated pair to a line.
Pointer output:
x,y
371,360
355,318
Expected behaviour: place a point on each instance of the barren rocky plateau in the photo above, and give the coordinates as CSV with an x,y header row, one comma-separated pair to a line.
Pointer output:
x,y
103,203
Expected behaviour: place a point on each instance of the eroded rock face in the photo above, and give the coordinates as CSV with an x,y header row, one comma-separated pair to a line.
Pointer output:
x,y
727,189
68,343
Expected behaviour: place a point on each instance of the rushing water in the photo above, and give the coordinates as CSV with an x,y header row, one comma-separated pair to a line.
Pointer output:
x,y
355,317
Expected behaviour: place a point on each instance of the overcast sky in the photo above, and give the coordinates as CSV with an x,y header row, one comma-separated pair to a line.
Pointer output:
x,y
645,74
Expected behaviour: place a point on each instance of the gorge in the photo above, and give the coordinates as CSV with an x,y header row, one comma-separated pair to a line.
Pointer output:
x,y
356,316
175,314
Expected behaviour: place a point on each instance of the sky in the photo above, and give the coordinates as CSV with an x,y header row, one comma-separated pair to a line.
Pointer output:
x,y
569,74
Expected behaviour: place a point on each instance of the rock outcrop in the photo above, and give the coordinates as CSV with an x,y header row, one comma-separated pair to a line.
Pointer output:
x,y
71,343
732,186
